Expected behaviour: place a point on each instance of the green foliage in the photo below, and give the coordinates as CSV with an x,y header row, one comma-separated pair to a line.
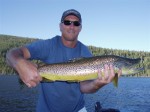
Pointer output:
x,y
7,42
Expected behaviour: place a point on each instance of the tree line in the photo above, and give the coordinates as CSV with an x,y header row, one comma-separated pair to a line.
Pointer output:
x,y
7,42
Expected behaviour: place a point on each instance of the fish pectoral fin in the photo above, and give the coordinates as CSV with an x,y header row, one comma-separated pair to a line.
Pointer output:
x,y
46,80
115,80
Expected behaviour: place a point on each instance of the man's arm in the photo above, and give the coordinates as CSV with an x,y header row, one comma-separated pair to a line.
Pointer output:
x,y
17,59
94,85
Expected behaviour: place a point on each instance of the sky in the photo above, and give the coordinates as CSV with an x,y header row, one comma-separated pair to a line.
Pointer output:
x,y
113,24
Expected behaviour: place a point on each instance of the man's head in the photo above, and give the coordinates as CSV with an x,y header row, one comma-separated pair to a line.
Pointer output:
x,y
70,26
71,12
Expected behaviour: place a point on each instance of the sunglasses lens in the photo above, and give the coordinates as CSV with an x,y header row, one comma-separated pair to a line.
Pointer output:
x,y
67,23
75,23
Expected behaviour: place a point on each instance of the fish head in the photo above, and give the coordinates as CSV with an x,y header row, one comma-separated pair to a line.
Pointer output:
x,y
131,71
128,65
127,62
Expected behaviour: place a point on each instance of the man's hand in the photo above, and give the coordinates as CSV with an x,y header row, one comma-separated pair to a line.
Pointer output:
x,y
28,73
104,77
17,59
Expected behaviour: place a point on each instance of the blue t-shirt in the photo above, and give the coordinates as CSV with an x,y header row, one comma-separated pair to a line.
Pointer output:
x,y
58,96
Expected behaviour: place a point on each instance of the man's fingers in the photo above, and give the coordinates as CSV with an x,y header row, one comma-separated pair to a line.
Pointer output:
x,y
32,82
107,74
29,85
112,73
39,78
119,72
100,74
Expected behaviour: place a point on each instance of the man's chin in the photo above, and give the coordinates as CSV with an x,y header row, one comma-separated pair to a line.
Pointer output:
x,y
70,39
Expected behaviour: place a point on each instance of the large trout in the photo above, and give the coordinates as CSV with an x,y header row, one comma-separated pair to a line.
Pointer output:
x,y
82,69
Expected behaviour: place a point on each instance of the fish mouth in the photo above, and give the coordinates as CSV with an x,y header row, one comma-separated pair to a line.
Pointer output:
x,y
131,71
133,67
138,69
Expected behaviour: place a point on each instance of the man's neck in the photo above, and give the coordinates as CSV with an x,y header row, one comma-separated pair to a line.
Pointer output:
x,y
71,44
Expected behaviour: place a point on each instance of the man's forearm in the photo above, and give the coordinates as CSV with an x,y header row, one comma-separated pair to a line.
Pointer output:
x,y
90,86
13,56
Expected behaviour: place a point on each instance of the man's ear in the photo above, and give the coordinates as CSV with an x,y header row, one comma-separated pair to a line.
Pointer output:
x,y
60,26
80,28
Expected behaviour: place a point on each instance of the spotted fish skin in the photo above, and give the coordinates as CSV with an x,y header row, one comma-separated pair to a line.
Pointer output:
x,y
82,69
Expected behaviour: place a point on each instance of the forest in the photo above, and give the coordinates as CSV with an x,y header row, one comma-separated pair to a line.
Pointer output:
x,y
8,41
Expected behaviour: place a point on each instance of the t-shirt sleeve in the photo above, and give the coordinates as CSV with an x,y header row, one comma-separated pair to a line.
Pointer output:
x,y
39,49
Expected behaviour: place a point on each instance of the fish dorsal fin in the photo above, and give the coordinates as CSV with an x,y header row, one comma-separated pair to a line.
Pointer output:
x,y
75,59
42,64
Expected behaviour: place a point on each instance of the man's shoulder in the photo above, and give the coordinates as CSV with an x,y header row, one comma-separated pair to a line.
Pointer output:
x,y
55,38
85,52
49,41
83,46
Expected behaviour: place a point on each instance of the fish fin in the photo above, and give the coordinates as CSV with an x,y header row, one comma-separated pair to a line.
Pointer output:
x,y
115,80
42,64
75,59
46,80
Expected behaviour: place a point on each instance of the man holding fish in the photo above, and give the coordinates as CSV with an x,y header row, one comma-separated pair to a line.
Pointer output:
x,y
58,96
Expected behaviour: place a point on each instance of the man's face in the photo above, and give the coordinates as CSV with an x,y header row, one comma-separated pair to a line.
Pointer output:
x,y
70,32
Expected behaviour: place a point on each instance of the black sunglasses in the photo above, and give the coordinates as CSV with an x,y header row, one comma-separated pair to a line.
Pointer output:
x,y
75,23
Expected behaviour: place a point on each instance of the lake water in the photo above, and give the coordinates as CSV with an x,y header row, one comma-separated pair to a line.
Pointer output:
x,y
132,95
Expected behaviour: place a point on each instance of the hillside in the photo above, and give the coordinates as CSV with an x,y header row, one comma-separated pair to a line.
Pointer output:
x,y
7,42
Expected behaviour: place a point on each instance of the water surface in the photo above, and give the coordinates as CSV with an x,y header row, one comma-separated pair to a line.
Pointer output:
x,y
132,95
